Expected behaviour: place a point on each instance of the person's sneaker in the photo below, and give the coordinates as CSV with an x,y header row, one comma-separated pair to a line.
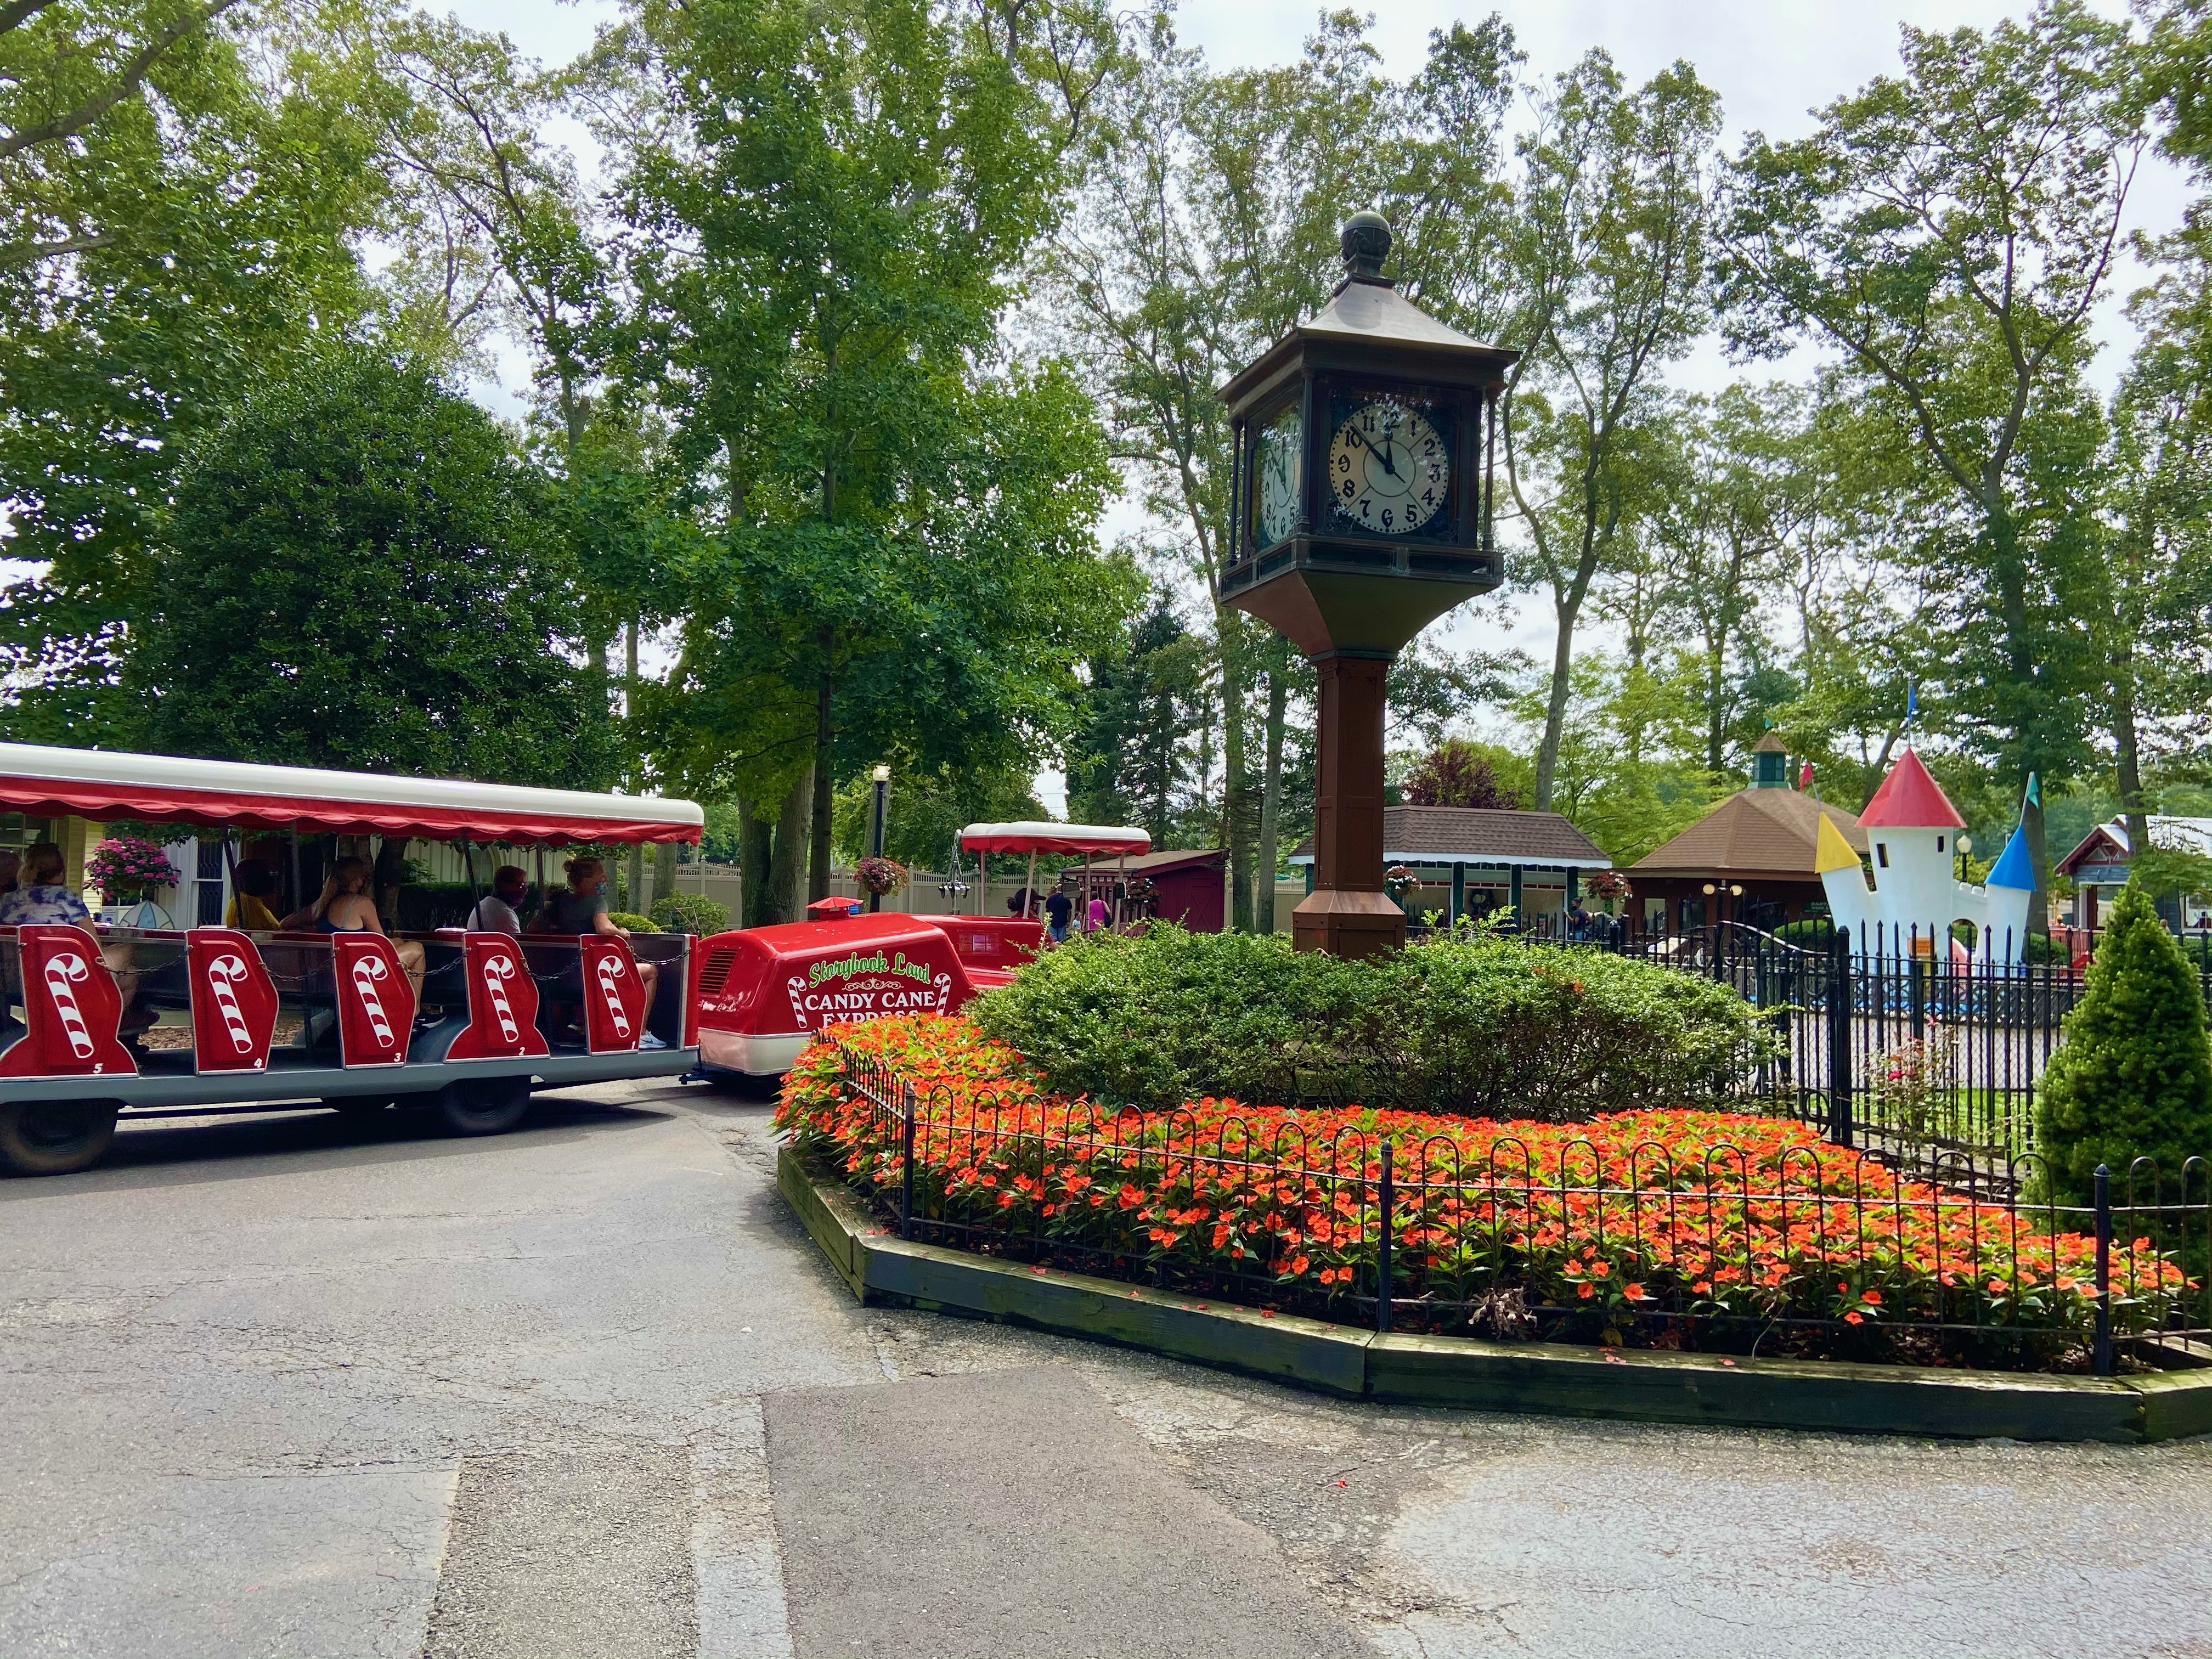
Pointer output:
x,y
646,1040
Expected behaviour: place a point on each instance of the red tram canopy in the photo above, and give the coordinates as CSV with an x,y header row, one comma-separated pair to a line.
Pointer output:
x,y
103,784
1093,840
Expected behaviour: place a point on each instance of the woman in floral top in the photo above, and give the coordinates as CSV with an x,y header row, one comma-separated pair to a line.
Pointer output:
x,y
41,897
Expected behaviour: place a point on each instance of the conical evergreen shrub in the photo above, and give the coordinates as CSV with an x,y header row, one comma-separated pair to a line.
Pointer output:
x,y
2134,1076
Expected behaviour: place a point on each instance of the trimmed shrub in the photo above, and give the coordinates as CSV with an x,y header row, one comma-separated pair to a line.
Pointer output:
x,y
1482,1026
2133,1078
635,922
425,905
1807,933
689,913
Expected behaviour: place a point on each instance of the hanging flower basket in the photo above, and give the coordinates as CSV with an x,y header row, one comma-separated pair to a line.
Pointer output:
x,y
124,866
1606,884
881,877
1398,881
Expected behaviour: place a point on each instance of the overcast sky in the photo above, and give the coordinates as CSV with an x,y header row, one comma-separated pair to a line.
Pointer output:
x,y
1772,62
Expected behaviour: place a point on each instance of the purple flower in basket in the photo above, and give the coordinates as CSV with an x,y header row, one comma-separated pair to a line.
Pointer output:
x,y
128,864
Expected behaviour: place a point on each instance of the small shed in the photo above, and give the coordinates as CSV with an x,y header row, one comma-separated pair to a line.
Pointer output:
x,y
1473,859
2099,869
1189,887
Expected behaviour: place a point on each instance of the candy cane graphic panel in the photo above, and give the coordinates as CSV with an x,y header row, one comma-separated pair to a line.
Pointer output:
x,y
376,1005
502,1001
71,1007
614,996
233,1001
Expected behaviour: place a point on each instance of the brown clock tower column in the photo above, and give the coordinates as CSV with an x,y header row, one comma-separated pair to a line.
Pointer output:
x,y
1347,913
1349,574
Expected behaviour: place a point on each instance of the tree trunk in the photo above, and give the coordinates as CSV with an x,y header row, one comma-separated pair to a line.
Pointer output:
x,y
1271,786
1555,708
390,874
786,868
1236,787
818,870
2127,754
755,845
663,869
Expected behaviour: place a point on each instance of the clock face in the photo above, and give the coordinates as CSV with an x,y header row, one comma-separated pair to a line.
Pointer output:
x,y
1390,471
1279,466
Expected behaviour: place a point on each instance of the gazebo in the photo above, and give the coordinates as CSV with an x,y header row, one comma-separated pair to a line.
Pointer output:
x,y
1473,859
1759,840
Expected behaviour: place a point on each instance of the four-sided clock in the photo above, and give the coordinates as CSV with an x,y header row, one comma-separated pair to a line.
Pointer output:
x,y
1362,451
1361,513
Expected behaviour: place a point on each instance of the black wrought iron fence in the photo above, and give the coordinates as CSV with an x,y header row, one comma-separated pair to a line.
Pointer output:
x,y
1774,1244
1896,1042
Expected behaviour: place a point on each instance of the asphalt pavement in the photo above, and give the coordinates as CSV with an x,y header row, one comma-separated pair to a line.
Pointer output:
x,y
285,1386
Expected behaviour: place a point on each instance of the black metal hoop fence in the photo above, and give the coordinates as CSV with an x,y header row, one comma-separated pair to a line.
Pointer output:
x,y
1768,1241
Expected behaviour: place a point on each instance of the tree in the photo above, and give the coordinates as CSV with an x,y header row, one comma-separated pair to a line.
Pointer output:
x,y
2133,1078
356,575
1950,231
1737,489
180,184
1611,236
1127,761
832,201
1207,226
2159,566
1459,773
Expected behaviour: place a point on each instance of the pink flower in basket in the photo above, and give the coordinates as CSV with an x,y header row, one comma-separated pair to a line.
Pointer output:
x,y
879,876
128,864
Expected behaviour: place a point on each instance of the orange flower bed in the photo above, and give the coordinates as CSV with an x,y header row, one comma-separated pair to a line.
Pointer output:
x,y
1698,1215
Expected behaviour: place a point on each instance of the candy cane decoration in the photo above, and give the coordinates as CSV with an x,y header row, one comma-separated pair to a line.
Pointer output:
x,y
610,989
367,971
64,971
223,974
497,970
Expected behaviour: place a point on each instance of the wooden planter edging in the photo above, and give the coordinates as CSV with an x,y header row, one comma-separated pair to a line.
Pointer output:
x,y
1558,1378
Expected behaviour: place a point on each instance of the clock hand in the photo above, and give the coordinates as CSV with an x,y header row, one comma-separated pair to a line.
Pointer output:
x,y
1381,454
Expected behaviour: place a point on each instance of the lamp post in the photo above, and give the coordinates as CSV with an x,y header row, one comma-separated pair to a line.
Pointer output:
x,y
879,784
1965,845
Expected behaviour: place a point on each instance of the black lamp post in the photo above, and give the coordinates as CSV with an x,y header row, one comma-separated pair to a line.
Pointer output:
x,y
879,784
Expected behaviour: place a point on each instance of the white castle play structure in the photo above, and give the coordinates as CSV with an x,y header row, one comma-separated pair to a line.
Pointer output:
x,y
1912,838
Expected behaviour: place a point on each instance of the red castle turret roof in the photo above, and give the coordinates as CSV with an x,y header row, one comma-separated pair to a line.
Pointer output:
x,y
1910,798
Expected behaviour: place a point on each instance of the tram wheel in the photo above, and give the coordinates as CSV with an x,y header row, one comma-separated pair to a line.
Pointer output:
x,y
483,1105
55,1137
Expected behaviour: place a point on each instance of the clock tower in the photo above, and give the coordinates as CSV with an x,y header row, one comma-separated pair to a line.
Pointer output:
x,y
1364,486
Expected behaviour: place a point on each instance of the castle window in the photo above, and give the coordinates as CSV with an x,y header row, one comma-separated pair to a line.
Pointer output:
x,y
1882,854
1939,843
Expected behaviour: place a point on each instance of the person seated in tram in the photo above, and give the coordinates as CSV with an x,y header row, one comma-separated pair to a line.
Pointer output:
x,y
41,897
11,862
582,908
500,911
345,907
254,885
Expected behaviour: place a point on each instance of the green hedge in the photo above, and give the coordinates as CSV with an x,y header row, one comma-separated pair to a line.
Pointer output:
x,y
1492,1027
689,913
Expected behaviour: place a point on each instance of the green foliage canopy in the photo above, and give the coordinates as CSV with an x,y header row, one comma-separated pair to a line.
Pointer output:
x,y
359,575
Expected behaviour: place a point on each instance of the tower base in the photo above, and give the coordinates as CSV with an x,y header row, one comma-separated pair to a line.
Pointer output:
x,y
1348,924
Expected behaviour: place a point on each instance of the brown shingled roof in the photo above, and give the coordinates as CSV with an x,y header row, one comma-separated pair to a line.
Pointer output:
x,y
1753,832
1482,835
